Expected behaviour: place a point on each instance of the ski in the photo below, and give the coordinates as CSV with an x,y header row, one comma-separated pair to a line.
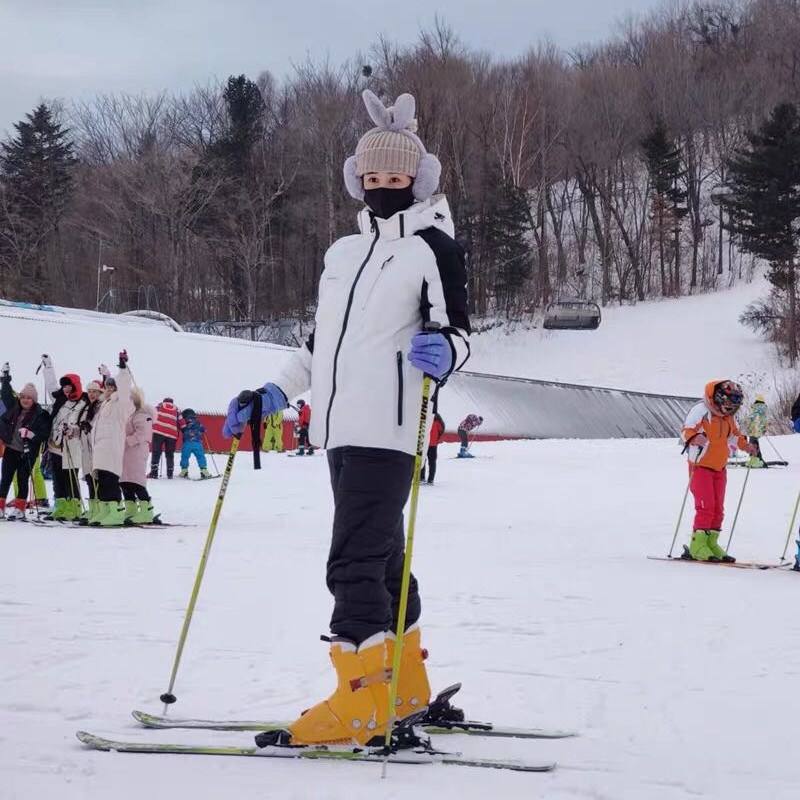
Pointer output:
x,y
315,752
468,727
734,564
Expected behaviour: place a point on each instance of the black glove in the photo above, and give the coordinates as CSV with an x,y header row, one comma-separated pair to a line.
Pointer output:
x,y
85,426
123,359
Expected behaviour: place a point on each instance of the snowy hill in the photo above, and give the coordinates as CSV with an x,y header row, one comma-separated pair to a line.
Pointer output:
x,y
669,346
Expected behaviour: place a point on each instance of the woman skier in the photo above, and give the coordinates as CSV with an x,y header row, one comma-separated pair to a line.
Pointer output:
x,y
378,290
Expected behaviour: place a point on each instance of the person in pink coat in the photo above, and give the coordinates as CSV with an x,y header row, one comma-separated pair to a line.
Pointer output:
x,y
133,481
108,443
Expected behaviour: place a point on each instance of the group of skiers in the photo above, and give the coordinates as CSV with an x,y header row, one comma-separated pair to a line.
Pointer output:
x,y
102,432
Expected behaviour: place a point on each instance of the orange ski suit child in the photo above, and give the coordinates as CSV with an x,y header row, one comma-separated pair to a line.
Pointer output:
x,y
708,429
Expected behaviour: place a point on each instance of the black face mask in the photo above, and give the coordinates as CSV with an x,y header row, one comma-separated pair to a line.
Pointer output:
x,y
387,202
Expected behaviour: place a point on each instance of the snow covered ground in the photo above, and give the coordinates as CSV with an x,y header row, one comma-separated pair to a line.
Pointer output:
x,y
668,346
681,679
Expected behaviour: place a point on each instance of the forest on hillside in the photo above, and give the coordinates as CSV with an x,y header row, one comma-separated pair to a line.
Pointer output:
x,y
589,173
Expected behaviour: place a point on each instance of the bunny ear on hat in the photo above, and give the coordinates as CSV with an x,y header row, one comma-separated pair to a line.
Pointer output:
x,y
400,125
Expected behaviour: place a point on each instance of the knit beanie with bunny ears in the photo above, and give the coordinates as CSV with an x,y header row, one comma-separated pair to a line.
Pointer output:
x,y
392,146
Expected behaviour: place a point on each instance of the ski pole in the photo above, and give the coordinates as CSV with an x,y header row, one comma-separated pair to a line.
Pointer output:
x,y
791,527
406,579
780,457
738,507
168,697
683,504
211,453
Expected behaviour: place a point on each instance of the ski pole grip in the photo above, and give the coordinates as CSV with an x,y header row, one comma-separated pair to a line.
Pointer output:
x,y
432,327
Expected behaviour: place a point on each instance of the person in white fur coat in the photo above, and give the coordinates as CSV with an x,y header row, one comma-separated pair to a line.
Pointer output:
x,y
108,444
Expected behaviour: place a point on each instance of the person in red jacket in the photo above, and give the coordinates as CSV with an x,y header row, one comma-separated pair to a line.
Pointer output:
x,y
437,431
165,436
303,421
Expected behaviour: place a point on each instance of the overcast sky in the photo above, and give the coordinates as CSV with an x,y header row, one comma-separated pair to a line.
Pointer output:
x,y
74,49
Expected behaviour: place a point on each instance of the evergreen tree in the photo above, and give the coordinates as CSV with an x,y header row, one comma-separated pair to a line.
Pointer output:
x,y
663,160
245,107
507,243
765,203
36,169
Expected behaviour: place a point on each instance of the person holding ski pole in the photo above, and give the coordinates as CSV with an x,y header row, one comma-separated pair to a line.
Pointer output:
x,y
378,290
94,394
108,443
64,445
707,431
24,428
165,436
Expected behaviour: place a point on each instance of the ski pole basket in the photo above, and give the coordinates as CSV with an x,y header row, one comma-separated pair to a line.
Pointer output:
x,y
572,315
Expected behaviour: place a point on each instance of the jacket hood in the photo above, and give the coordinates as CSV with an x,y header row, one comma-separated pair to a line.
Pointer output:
x,y
433,213
75,381
708,396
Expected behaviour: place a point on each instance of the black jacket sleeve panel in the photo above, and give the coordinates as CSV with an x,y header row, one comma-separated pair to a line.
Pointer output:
x,y
796,408
310,342
451,264
40,426
7,394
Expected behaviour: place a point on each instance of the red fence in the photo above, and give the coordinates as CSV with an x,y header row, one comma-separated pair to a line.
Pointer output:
x,y
219,444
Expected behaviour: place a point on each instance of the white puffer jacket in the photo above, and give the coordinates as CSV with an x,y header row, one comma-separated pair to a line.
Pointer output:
x,y
379,288
64,443
108,427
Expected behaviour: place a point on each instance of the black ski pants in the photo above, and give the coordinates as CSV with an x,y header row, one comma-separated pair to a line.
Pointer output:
x,y
463,437
65,481
15,463
134,491
430,464
158,443
365,564
108,486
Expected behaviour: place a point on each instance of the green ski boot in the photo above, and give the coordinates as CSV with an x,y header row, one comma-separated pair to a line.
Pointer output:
x,y
104,507
716,550
699,549
90,511
131,510
146,515
72,509
115,518
60,508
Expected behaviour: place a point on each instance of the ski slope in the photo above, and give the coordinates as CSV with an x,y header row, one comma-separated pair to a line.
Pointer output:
x,y
681,679
537,594
671,346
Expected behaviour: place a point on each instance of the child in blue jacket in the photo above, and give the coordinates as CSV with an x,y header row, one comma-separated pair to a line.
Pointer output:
x,y
192,445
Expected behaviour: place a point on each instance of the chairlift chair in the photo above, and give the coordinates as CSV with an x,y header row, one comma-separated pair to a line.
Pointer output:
x,y
572,315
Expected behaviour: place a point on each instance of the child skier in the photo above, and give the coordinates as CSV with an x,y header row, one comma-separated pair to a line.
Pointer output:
x,y
273,433
377,291
755,427
708,428
469,423
192,445
303,423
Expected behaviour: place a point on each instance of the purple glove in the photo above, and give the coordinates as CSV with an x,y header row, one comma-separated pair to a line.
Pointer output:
x,y
431,352
272,400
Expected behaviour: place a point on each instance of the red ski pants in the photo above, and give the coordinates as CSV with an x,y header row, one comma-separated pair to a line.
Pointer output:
x,y
708,490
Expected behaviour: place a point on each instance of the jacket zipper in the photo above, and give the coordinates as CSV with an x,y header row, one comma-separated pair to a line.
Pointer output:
x,y
375,282
344,330
399,387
